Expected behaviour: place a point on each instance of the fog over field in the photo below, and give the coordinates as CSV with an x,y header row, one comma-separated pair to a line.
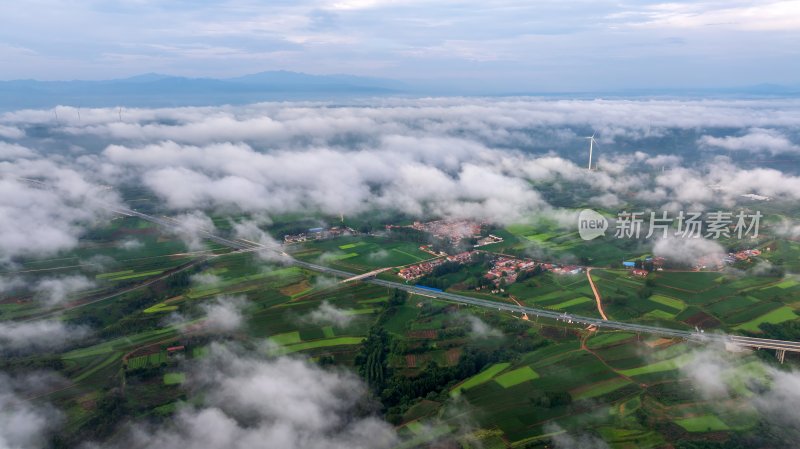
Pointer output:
x,y
502,160
477,158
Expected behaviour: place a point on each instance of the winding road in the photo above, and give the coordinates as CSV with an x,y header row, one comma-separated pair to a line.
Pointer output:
x,y
596,294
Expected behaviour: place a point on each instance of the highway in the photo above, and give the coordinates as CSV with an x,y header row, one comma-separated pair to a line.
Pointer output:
x,y
242,245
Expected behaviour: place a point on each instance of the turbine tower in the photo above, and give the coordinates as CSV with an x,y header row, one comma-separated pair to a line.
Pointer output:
x,y
591,147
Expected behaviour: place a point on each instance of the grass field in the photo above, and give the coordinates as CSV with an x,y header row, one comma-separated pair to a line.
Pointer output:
x,y
324,343
516,376
704,423
676,304
601,388
780,315
657,367
484,376
174,378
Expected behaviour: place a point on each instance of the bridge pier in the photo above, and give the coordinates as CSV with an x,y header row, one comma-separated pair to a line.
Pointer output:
x,y
780,354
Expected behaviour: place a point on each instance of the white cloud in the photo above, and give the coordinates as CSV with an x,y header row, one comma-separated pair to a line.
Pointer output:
x,y
563,440
55,290
192,228
130,244
749,16
480,329
25,424
224,314
756,140
10,151
247,401
205,278
774,393
42,220
38,336
689,250
328,314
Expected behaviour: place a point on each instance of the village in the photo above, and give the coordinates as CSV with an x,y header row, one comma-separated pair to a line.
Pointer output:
x,y
319,234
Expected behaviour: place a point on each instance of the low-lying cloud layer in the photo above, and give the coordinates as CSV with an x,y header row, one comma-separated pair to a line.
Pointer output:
x,y
25,424
328,314
773,393
478,158
38,336
284,402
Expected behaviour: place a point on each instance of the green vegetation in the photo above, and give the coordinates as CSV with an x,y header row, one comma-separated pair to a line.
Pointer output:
x,y
423,360
174,378
704,423
484,376
777,316
516,376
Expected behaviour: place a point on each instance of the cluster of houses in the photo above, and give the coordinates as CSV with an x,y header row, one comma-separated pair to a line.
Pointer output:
x,y
742,255
453,231
488,240
319,234
730,258
421,269
508,268
654,263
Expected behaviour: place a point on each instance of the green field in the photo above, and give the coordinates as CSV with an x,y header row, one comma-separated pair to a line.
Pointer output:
x,y
601,388
516,376
676,304
287,338
324,343
174,378
780,315
664,365
572,302
704,423
484,376
423,361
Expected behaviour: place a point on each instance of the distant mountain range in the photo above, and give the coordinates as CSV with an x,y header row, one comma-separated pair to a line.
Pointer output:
x,y
157,90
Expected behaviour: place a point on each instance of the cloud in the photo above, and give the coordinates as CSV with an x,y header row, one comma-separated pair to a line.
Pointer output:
x,y
224,314
55,290
774,393
564,440
24,423
328,314
9,132
689,251
761,16
38,219
192,228
38,336
130,244
205,278
250,231
477,158
480,329
12,151
249,400
756,140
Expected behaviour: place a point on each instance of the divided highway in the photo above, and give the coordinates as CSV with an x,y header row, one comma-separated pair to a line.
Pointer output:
x,y
242,245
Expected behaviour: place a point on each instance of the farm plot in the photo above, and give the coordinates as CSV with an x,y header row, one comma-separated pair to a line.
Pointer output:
x,y
484,376
516,376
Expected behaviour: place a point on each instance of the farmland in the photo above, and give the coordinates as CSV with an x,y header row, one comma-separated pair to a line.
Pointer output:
x,y
515,378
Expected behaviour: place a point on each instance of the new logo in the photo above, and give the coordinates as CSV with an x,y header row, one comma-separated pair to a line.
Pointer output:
x,y
591,224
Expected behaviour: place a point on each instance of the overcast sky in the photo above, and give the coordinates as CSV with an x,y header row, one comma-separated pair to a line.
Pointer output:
x,y
524,45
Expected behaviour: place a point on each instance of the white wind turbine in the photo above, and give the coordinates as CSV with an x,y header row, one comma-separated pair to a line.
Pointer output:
x,y
591,147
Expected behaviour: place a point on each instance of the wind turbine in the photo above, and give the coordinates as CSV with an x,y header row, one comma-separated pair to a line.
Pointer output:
x,y
591,147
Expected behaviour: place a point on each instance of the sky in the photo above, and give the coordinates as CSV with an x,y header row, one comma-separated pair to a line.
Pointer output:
x,y
521,46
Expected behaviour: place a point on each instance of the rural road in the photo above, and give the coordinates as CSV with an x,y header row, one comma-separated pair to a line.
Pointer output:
x,y
596,294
